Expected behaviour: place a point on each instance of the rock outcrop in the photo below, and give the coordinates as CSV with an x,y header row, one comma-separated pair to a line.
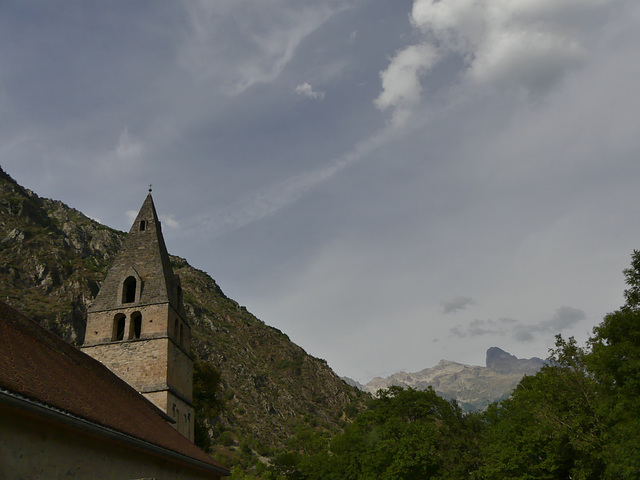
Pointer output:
x,y
503,362
473,387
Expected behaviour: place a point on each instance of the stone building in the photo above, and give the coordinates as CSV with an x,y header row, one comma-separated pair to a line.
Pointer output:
x,y
136,325
65,415
126,413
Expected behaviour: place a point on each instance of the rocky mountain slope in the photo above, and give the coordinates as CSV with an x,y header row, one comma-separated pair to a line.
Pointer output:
x,y
52,260
473,387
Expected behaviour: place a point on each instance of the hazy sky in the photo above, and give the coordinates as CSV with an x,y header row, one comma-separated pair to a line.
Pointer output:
x,y
389,182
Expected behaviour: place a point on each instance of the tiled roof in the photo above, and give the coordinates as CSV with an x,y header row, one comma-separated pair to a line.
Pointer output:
x,y
36,364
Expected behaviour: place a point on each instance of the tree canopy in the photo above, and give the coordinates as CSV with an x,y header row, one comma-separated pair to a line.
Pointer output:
x,y
578,418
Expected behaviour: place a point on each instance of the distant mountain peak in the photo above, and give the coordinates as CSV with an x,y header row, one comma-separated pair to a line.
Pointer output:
x,y
503,362
473,387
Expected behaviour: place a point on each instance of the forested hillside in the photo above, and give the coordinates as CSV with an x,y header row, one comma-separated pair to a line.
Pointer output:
x,y
253,387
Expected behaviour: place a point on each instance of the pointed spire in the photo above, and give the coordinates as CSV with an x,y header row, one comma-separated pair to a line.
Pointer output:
x,y
144,257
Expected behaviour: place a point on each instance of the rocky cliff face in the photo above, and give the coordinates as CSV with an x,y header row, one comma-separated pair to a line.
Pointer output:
x,y
502,362
52,260
473,387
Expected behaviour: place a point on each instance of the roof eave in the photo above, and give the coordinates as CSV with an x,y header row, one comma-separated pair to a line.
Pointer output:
x,y
27,405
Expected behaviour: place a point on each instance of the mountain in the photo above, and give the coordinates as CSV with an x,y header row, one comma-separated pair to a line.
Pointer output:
x,y
473,387
52,261
502,362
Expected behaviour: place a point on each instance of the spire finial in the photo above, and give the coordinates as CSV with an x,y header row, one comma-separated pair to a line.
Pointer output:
x,y
150,187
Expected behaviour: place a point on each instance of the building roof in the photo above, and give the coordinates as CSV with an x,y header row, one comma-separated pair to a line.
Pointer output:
x,y
143,254
37,365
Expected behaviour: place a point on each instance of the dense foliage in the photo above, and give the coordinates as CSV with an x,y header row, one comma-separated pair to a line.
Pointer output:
x,y
206,401
578,418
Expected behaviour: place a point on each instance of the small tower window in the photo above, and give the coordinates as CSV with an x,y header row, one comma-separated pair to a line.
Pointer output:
x,y
118,327
143,225
136,325
129,290
181,336
175,329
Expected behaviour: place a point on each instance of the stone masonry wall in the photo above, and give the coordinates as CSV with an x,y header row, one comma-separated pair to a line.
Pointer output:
x,y
140,363
181,412
180,372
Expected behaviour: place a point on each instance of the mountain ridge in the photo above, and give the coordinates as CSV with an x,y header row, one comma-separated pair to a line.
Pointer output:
x,y
473,387
52,262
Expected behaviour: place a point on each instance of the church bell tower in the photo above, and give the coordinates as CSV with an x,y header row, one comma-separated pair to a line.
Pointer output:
x,y
137,327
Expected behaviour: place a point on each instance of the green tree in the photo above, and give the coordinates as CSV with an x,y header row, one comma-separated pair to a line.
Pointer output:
x,y
206,402
615,363
632,279
549,428
404,434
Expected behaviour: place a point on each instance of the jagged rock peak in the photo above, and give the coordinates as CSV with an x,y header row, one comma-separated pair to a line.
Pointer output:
x,y
503,362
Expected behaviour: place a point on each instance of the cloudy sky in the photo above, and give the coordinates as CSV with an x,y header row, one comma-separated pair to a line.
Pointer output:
x,y
389,182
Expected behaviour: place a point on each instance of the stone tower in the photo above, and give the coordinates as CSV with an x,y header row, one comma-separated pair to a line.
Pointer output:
x,y
136,326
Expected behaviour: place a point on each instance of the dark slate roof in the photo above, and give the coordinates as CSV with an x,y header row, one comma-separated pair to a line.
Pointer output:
x,y
145,253
37,365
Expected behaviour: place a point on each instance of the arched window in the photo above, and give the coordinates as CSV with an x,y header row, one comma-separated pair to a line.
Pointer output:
x,y
176,331
136,325
118,327
181,336
129,290
143,225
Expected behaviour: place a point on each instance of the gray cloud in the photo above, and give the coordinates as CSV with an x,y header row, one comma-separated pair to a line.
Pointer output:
x,y
478,327
565,317
456,303
428,168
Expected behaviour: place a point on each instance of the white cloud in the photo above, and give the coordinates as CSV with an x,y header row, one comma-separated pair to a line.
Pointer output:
x,y
125,157
401,87
306,90
169,221
271,199
265,35
528,44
